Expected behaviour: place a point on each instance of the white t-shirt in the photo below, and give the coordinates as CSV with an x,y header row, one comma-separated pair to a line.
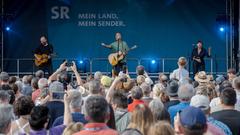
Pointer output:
x,y
181,74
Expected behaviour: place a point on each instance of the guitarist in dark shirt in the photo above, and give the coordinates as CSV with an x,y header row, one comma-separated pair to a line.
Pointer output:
x,y
44,63
198,55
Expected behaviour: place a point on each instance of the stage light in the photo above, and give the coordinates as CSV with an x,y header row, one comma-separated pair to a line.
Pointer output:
x,y
222,29
8,28
153,61
80,62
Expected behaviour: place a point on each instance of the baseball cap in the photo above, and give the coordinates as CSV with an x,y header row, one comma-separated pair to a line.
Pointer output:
x,y
193,118
200,101
172,88
56,87
4,76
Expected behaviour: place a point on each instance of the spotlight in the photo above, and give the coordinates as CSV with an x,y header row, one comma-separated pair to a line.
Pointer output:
x,y
222,29
80,62
153,61
8,28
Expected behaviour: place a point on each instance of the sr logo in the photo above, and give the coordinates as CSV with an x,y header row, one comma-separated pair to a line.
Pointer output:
x,y
61,12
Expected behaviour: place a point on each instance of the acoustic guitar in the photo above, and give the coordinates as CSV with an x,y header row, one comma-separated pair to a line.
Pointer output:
x,y
114,58
42,58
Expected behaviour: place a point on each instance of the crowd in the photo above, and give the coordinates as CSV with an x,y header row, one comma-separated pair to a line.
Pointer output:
x,y
102,105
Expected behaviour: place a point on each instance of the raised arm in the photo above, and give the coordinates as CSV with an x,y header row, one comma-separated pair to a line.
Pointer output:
x,y
67,118
110,91
78,77
53,77
105,45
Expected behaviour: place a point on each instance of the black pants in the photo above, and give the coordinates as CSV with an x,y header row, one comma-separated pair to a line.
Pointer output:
x,y
121,66
47,68
198,67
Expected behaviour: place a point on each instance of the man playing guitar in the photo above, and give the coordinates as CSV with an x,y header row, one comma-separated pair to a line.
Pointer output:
x,y
120,47
42,56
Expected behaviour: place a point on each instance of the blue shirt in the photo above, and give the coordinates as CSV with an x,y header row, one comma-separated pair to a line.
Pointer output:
x,y
77,117
176,108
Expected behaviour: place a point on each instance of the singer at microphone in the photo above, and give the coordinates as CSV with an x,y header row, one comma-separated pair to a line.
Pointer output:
x,y
198,55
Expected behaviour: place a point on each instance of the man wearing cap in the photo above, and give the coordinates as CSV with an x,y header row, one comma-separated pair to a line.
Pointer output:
x,y
214,126
190,121
4,77
172,92
55,105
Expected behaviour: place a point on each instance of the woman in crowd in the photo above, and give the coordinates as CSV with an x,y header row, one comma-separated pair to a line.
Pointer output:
x,y
22,109
141,119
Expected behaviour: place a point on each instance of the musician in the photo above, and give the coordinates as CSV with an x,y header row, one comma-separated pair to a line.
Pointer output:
x,y
44,48
198,55
121,47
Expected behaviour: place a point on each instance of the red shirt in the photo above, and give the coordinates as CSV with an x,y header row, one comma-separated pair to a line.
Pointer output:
x,y
97,129
135,102
36,94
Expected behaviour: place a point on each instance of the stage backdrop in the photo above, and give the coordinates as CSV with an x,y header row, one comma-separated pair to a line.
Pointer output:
x,y
160,29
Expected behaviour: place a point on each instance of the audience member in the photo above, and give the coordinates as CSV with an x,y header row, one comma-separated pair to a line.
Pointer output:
x,y
75,108
146,88
22,108
215,127
4,97
236,86
6,115
185,93
228,115
141,119
181,74
231,74
55,104
172,92
26,89
39,74
122,116
4,78
161,128
190,121
137,95
97,114
158,110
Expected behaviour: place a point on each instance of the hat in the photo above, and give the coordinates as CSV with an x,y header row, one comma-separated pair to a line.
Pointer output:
x,y
172,88
56,87
106,81
220,79
201,77
193,117
200,101
4,76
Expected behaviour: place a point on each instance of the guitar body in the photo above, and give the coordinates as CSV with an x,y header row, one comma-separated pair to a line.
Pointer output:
x,y
43,59
114,58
